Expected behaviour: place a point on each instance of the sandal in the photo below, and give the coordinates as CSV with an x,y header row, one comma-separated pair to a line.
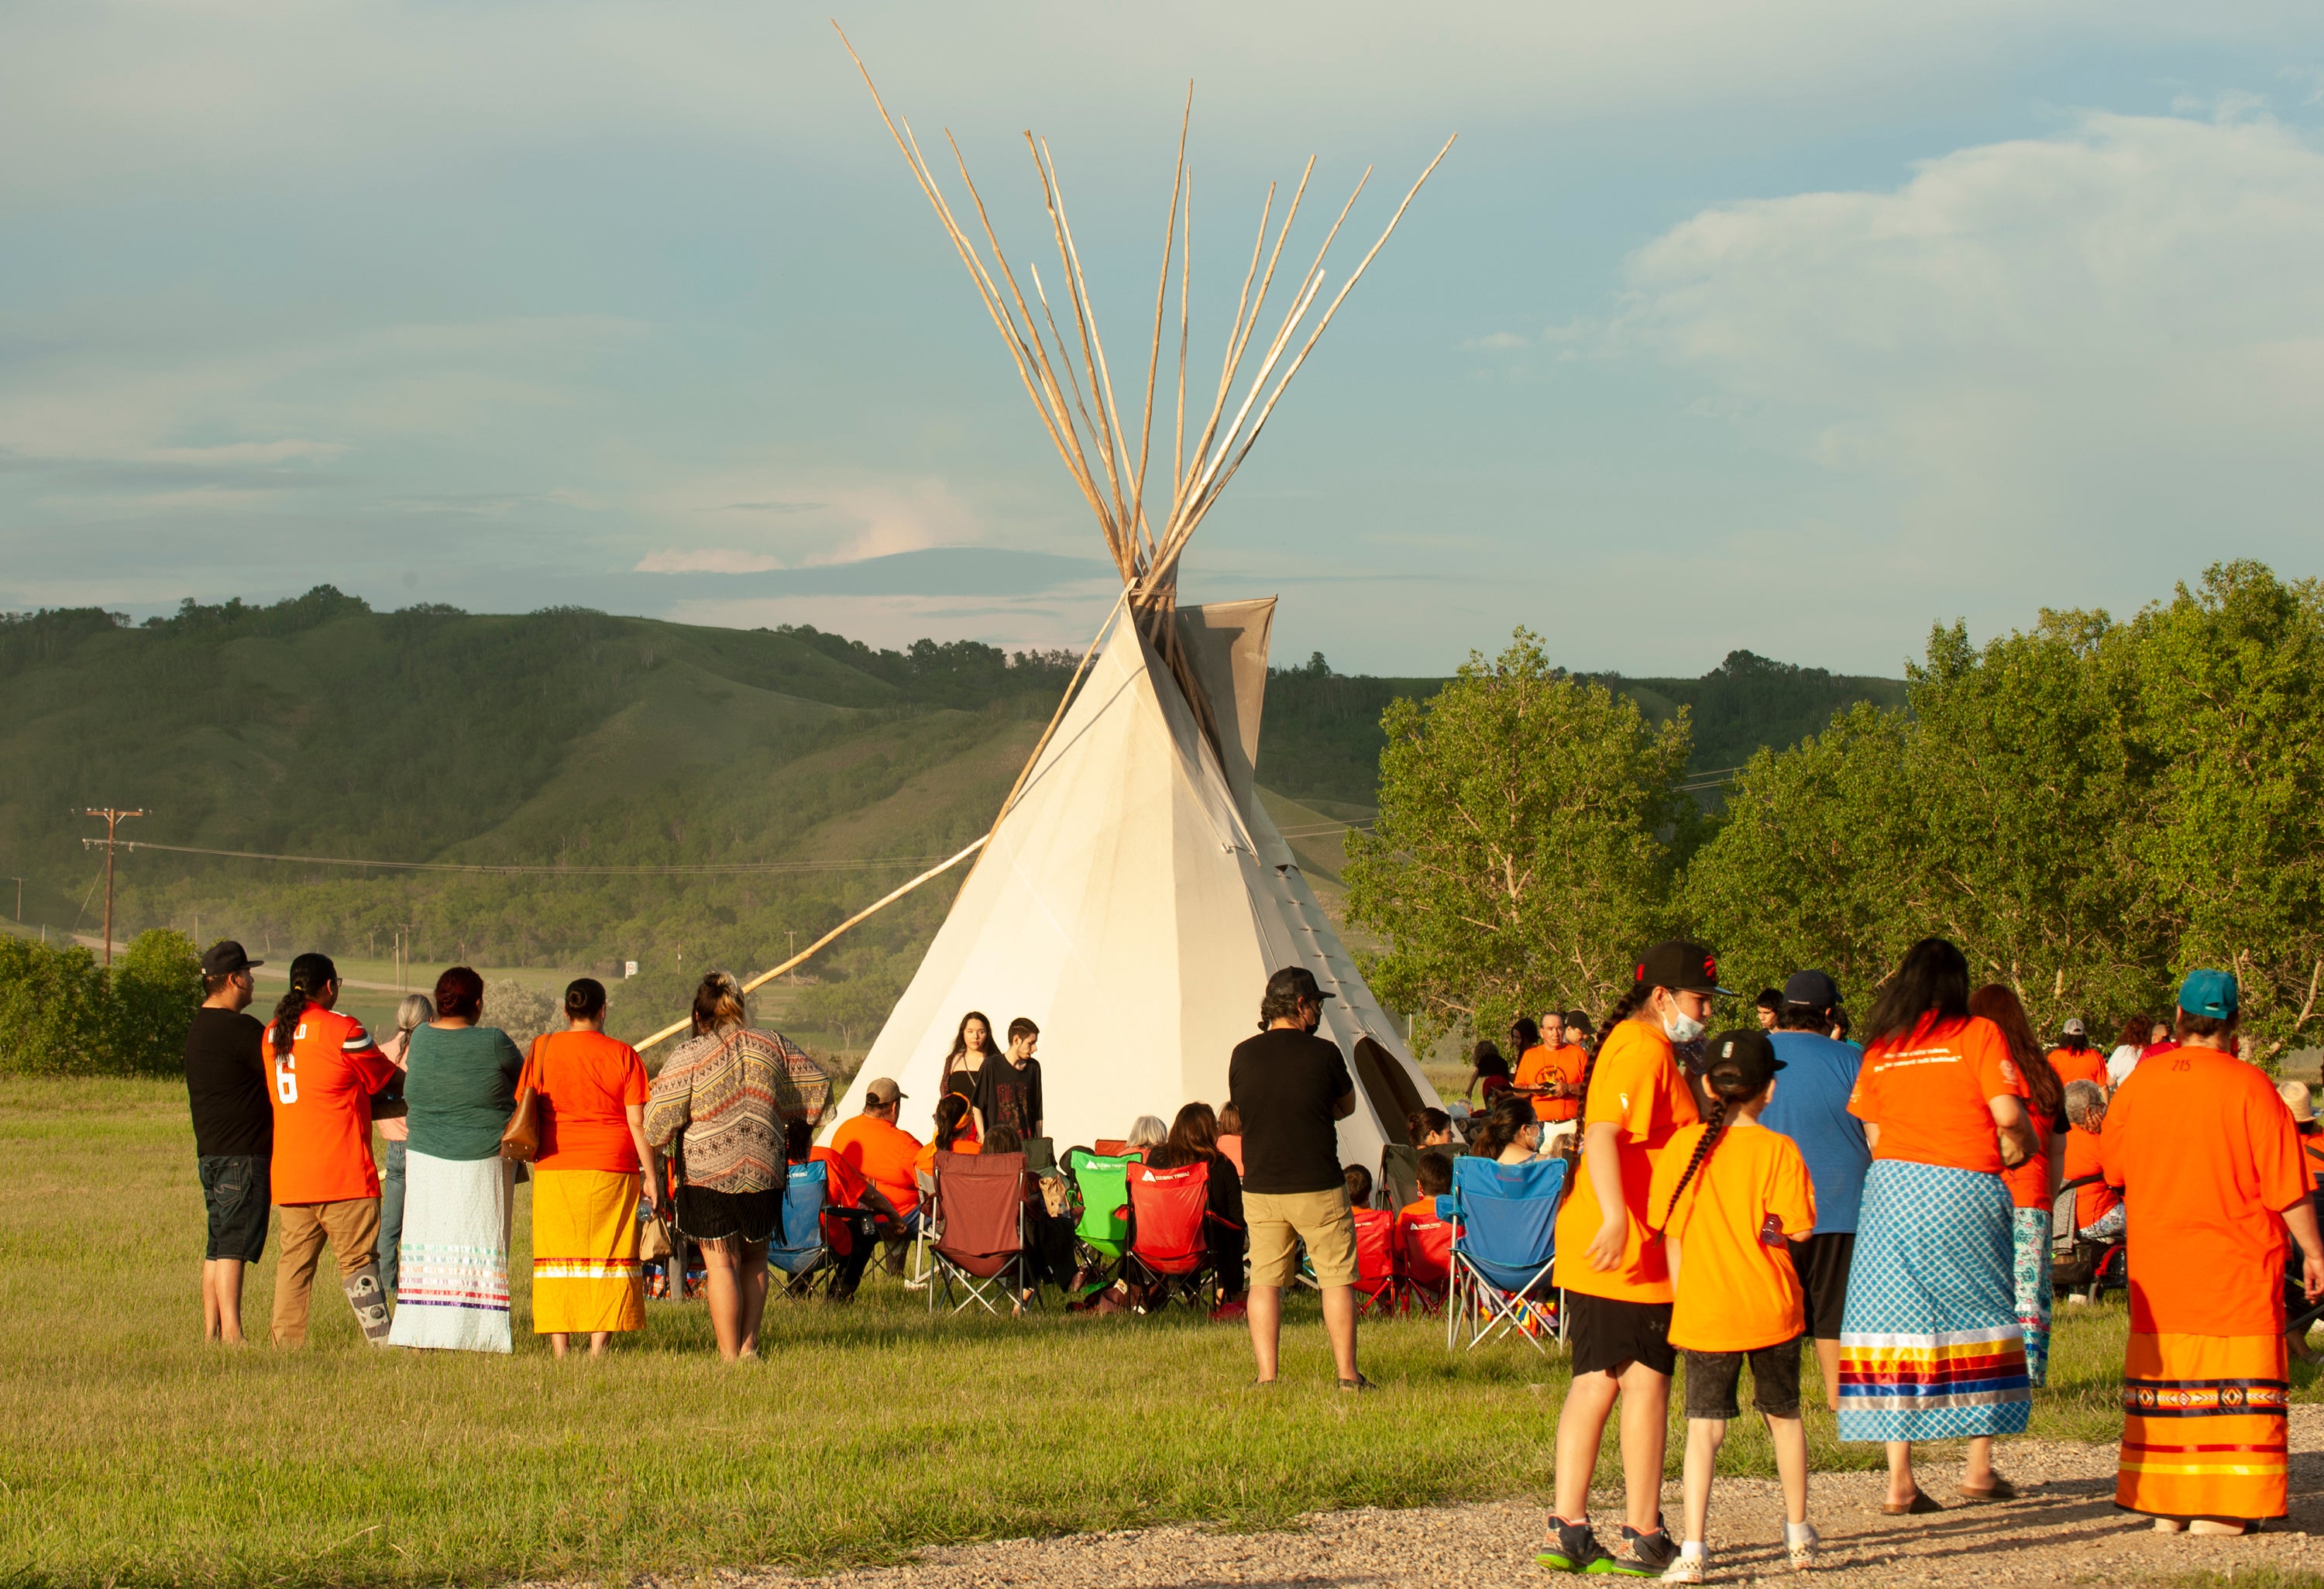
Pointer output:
x,y
2001,1488
1920,1505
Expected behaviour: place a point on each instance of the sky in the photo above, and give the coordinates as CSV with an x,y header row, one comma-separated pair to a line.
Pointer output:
x,y
1796,326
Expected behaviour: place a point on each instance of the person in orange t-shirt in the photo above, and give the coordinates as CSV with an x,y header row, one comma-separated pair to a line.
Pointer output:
x,y
325,1070
1929,1347
954,1134
591,1092
1549,1069
2211,1167
888,1156
1730,1196
2074,1059
1611,1266
2094,1200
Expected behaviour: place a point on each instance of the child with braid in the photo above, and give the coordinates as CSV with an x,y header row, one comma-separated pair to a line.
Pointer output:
x,y
1730,1197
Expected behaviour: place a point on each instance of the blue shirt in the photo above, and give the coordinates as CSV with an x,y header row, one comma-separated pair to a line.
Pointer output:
x,y
1811,1107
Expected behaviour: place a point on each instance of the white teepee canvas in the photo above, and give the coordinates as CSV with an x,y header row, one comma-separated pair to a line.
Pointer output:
x,y
1133,903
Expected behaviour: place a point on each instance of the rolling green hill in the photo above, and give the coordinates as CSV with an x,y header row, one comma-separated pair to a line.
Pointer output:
x,y
571,739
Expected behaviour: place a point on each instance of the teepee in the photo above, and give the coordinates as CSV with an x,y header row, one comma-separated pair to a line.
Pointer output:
x,y
1133,896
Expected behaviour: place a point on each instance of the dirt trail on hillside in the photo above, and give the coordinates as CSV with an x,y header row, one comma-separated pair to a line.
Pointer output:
x,y
2064,1529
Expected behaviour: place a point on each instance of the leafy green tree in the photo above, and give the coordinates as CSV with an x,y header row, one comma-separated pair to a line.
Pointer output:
x,y
53,1011
1529,827
156,986
523,1012
2224,687
855,1007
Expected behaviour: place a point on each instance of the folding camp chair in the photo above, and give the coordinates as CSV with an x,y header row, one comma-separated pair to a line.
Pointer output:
x,y
1380,1262
1504,1250
799,1249
1101,1228
1167,1211
1427,1245
978,1244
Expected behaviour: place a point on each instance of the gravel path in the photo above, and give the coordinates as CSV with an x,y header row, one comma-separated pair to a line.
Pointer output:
x,y
2064,1529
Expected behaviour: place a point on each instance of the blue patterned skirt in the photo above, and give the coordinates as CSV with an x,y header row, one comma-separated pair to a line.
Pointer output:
x,y
2031,1227
1930,1348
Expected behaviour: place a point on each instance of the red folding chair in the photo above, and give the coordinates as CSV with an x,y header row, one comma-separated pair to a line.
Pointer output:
x,y
1427,1245
1379,1266
1167,1246
979,1220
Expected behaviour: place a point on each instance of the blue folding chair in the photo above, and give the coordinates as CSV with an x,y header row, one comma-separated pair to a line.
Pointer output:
x,y
799,1249
1503,1247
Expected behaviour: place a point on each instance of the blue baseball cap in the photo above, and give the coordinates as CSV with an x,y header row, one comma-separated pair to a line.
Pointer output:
x,y
2209,992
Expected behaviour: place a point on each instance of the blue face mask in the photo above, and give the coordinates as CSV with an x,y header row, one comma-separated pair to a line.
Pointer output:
x,y
1683,1029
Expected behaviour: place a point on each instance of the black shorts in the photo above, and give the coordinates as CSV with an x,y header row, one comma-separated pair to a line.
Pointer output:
x,y
706,1215
238,1195
1608,1335
1822,1263
1712,1378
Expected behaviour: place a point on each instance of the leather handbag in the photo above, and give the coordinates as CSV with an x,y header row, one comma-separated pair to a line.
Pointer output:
x,y
520,1138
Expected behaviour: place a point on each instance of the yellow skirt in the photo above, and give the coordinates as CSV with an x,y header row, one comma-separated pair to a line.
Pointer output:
x,y
585,1274
2204,1426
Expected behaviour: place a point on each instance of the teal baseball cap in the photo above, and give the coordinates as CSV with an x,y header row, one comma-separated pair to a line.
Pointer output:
x,y
2209,992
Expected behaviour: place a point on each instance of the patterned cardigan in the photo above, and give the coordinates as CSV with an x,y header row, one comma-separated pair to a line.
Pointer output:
x,y
730,1092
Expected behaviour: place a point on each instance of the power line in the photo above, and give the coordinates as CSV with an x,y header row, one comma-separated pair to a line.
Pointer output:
x,y
493,870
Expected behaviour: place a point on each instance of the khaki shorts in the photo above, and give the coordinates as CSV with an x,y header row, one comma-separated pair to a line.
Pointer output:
x,y
1279,1221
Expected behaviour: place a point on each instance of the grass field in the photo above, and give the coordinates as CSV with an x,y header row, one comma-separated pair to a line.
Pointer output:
x,y
135,1455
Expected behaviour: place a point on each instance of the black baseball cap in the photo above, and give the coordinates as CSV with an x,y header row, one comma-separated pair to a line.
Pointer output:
x,y
1745,1054
1682,965
1295,981
1810,990
224,957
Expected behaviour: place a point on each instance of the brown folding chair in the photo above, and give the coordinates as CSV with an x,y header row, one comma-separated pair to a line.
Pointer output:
x,y
979,1226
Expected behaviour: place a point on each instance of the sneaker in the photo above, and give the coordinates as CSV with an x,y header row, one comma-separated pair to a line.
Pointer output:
x,y
1802,1544
1573,1548
1359,1383
1640,1556
1688,1569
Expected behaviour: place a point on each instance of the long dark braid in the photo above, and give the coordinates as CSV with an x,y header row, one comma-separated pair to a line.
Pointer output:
x,y
310,974
1717,1122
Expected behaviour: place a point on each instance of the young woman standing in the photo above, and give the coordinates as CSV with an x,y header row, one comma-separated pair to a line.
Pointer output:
x,y
1612,1267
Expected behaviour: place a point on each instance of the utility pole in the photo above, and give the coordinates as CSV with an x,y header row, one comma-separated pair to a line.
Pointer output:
x,y
794,938
113,820
20,898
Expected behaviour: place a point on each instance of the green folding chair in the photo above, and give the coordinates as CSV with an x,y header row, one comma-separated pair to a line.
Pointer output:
x,y
1102,1227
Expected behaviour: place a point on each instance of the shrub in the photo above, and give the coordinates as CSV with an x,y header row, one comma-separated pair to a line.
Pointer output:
x,y
63,1014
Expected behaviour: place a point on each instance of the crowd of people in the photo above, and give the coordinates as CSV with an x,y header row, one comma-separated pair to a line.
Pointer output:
x,y
1732,1198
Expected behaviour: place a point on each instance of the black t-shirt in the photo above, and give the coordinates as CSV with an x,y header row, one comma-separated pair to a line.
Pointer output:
x,y
1006,1096
226,1083
1286,1082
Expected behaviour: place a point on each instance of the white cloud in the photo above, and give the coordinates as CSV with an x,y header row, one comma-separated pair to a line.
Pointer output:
x,y
2036,347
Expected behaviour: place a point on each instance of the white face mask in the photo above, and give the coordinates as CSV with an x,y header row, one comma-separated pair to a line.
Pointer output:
x,y
1681,1027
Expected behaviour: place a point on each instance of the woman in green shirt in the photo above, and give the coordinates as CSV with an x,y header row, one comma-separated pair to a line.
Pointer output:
x,y
459,1085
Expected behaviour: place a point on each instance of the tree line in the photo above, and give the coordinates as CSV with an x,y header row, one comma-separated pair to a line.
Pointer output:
x,y
2089,808
62,1014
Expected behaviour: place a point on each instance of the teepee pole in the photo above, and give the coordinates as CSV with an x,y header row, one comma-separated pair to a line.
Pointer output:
x,y
1161,301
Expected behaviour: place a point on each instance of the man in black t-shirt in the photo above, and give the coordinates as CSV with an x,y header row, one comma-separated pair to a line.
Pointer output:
x,y
226,1082
1293,1089
1009,1089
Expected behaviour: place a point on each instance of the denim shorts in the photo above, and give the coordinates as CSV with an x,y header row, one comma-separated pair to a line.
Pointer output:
x,y
238,1191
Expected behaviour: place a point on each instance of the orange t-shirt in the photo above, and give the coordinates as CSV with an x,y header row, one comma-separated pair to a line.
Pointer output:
x,y
322,1109
1927,1094
585,1082
1541,1065
2207,1158
2088,1065
1418,1208
1637,1087
924,1162
883,1155
1736,1289
2095,1201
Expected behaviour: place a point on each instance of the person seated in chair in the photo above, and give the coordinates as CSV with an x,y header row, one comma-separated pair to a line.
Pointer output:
x,y
1359,1185
1194,1140
2097,1207
856,1214
1435,1173
1511,1133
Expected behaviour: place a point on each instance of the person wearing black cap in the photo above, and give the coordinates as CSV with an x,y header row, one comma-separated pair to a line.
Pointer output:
x,y
1612,1267
1292,1089
1730,1197
233,1133
1812,1109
